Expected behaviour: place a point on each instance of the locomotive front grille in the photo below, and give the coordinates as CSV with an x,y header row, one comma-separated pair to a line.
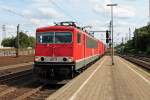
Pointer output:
x,y
50,72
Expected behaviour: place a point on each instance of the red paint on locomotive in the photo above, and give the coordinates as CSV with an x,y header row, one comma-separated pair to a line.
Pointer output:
x,y
81,49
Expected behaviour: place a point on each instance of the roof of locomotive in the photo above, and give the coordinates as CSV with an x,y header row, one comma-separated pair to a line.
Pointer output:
x,y
55,28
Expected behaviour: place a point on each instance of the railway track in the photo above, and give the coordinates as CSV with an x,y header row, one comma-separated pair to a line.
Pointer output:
x,y
141,61
22,86
15,75
142,58
13,69
35,92
40,93
12,82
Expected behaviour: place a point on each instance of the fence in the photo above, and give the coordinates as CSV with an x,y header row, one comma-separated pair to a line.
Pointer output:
x,y
13,51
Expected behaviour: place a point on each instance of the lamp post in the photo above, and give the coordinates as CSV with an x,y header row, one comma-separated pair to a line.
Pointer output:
x,y
18,45
112,5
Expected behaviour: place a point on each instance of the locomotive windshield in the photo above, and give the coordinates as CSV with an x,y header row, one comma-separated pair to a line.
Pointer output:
x,y
45,37
63,37
54,37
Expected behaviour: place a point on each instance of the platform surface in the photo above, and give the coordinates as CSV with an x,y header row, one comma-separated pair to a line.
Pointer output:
x,y
102,81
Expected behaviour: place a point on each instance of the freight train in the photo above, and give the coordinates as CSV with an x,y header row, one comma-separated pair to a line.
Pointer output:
x,y
64,49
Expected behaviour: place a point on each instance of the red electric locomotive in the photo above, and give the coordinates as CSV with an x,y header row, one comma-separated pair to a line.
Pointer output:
x,y
63,49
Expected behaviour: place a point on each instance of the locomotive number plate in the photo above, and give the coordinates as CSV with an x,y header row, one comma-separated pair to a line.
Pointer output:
x,y
53,59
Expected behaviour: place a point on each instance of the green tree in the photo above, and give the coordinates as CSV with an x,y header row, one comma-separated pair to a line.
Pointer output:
x,y
25,41
8,42
32,41
142,38
140,42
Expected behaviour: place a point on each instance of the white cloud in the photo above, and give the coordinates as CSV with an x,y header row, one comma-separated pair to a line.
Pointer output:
x,y
44,1
35,21
41,15
10,30
125,12
98,25
50,12
40,12
121,11
27,12
41,1
11,27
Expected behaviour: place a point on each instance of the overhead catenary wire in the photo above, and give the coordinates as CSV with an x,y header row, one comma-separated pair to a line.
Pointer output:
x,y
29,19
13,12
18,14
66,13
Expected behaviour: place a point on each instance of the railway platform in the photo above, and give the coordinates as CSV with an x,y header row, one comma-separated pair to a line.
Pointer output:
x,y
102,81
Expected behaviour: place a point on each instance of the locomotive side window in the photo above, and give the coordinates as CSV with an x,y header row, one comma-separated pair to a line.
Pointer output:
x,y
91,43
78,38
45,37
63,37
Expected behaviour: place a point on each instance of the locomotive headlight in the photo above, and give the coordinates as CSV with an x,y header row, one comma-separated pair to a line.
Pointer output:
x,y
65,59
37,58
42,58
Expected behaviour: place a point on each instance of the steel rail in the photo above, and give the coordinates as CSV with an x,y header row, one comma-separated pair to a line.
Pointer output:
x,y
141,62
14,75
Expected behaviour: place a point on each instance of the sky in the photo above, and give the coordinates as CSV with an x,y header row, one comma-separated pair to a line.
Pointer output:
x,y
31,14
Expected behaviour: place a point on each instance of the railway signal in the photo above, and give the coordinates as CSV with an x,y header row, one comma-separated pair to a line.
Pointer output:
x,y
107,36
